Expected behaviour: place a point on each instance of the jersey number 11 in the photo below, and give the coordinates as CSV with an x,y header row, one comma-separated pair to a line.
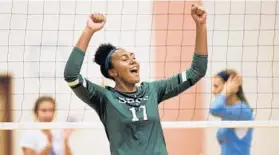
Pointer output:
x,y
142,108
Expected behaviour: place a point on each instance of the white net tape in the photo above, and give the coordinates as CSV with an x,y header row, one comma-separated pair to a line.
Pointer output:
x,y
36,38
165,124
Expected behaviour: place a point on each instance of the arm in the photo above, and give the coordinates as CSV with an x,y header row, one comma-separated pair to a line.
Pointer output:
x,y
239,111
66,136
67,148
46,150
199,15
29,151
74,63
84,89
28,145
173,86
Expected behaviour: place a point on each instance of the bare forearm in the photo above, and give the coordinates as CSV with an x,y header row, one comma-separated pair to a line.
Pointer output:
x,y
201,39
46,150
67,148
28,151
84,39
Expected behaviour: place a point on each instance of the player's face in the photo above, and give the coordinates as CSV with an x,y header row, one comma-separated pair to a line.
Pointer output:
x,y
125,67
217,85
45,111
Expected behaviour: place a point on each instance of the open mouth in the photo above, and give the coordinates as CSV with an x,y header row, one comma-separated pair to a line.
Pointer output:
x,y
134,70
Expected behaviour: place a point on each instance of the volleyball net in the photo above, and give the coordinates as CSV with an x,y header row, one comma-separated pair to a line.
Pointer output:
x,y
37,36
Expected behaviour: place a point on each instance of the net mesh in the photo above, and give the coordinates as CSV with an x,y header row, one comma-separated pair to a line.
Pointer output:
x,y
37,36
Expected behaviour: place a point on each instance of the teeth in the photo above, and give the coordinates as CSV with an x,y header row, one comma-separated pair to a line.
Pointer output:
x,y
134,69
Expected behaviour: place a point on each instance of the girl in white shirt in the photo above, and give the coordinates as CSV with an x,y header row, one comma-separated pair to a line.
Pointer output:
x,y
45,142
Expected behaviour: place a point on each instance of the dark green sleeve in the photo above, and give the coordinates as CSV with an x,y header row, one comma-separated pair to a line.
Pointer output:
x,y
87,91
173,86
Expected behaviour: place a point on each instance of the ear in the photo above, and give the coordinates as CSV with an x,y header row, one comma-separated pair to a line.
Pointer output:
x,y
112,73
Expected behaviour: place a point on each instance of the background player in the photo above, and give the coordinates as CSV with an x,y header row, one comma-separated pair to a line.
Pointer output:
x,y
230,104
130,113
45,142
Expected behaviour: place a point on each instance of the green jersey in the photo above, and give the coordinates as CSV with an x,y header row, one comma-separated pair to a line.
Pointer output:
x,y
131,120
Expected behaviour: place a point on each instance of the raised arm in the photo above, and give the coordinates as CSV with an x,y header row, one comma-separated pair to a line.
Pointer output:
x,y
199,15
173,86
233,111
84,89
95,22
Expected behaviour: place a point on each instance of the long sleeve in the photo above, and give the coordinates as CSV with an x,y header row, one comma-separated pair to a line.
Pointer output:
x,y
238,111
73,67
87,91
173,86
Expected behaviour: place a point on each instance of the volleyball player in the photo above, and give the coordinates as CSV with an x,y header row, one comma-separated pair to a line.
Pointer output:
x,y
45,142
230,104
128,112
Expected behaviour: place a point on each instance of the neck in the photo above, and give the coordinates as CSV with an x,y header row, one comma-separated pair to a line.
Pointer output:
x,y
124,87
233,99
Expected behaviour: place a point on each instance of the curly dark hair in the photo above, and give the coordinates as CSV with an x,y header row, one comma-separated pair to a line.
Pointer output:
x,y
100,57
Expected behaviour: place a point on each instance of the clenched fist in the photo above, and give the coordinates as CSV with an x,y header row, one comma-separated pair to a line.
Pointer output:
x,y
96,21
198,14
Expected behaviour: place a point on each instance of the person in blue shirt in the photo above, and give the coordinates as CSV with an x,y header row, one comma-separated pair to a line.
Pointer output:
x,y
230,104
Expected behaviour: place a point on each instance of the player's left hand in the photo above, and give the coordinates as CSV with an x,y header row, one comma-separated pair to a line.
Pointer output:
x,y
49,135
198,14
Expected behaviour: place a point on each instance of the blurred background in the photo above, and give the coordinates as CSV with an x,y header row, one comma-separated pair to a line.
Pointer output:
x,y
36,38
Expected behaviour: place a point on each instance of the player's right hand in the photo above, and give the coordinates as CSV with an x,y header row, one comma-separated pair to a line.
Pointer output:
x,y
232,85
96,21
